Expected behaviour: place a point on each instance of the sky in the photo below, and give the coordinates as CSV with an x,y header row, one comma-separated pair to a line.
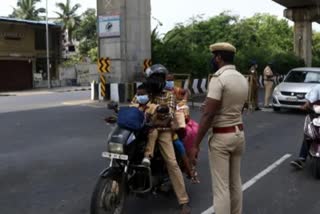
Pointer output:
x,y
170,12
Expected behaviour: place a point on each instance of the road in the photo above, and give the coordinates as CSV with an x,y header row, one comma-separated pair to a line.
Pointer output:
x,y
50,159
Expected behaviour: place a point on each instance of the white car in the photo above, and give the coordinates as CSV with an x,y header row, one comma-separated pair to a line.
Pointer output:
x,y
291,92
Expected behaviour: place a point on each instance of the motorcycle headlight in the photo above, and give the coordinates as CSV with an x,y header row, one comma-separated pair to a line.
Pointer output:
x,y
276,91
115,148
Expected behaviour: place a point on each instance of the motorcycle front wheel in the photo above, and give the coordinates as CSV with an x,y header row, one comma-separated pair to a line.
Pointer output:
x,y
108,196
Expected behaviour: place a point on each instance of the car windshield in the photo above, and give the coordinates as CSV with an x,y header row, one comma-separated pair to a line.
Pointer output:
x,y
303,77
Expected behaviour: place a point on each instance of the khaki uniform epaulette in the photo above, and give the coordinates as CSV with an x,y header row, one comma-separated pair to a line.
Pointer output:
x,y
216,75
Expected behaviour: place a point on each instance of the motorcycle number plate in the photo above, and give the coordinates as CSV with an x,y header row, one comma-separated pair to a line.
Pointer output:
x,y
114,156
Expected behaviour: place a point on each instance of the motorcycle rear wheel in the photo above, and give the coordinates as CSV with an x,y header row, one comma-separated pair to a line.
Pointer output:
x,y
108,196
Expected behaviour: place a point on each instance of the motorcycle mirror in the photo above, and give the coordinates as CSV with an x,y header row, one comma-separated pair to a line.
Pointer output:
x,y
113,105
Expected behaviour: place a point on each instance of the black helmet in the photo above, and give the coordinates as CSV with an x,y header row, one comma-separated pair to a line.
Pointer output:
x,y
156,78
156,69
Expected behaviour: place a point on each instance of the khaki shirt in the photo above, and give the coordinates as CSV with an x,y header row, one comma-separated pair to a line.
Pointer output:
x,y
231,88
267,73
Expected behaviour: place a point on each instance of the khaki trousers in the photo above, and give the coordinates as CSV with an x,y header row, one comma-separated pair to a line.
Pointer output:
x,y
225,151
164,139
255,101
268,86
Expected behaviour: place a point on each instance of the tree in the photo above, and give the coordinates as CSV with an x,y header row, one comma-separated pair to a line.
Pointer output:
x,y
263,38
86,33
316,49
68,17
26,9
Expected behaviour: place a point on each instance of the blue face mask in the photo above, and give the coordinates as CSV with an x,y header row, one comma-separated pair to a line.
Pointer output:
x,y
143,99
169,85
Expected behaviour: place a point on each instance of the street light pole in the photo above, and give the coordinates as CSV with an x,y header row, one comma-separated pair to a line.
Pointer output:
x,y
47,47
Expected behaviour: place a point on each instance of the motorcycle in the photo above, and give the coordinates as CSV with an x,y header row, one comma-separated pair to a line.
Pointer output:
x,y
125,174
312,135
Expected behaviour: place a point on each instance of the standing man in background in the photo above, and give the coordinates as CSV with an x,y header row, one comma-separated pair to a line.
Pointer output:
x,y
268,84
227,94
254,85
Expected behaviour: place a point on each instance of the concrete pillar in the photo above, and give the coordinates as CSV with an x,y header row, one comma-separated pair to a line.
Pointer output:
x,y
128,47
303,18
303,41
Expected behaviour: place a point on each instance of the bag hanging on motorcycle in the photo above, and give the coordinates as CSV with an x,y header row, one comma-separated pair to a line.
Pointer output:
x,y
130,118
191,132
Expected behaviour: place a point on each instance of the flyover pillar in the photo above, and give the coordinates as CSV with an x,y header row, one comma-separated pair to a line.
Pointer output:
x,y
303,18
124,35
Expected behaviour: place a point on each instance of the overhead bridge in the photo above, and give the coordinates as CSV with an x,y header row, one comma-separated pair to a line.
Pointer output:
x,y
302,13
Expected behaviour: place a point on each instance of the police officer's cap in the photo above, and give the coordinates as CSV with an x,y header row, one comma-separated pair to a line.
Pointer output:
x,y
222,46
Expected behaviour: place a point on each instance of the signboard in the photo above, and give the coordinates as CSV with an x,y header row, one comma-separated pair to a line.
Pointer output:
x,y
12,35
146,64
104,65
109,26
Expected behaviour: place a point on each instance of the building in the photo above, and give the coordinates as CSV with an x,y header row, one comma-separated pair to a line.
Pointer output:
x,y
23,53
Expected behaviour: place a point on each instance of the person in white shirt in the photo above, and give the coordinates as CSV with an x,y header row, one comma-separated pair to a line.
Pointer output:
x,y
313,98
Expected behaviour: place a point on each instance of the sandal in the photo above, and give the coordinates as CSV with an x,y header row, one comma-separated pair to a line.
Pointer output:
x,y
194,177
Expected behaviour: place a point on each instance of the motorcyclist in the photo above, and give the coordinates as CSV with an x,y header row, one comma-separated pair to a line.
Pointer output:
x,y
313,99
155,84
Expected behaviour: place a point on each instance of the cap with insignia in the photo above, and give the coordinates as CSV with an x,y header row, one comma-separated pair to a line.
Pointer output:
x,y
222,46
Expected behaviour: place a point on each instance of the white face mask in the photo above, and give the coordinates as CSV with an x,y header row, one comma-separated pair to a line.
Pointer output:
x,y
142,99
169,84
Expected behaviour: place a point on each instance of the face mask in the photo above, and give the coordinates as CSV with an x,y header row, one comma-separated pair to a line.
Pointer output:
x,y
214,65
169,85
143,99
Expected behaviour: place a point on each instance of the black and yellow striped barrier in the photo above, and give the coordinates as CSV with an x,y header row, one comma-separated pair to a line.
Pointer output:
x,y
103,85
182,80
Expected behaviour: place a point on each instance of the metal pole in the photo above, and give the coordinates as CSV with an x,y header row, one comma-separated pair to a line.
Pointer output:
x,y
47,41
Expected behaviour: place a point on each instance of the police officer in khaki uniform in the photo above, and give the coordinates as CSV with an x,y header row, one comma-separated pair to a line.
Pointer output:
x,y
268,84
254,85
227,94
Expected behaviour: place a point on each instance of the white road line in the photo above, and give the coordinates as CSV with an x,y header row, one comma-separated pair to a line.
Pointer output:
x,y
77,102
253,180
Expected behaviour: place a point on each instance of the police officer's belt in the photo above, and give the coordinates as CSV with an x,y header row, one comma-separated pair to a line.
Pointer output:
x,y
229,129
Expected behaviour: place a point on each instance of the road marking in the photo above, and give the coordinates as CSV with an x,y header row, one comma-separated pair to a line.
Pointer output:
x,y
77,102
25,93
253,180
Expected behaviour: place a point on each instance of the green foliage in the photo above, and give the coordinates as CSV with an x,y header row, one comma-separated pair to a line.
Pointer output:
x,y
86,33
68,17
263,38
26,9
283,62
93,54
316,49
73,60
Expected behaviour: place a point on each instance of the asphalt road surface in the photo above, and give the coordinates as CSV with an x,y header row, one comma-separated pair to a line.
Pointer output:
x,y
50,159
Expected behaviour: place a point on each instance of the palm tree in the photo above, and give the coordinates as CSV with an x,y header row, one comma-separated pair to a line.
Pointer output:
x,y
68,17
26,9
